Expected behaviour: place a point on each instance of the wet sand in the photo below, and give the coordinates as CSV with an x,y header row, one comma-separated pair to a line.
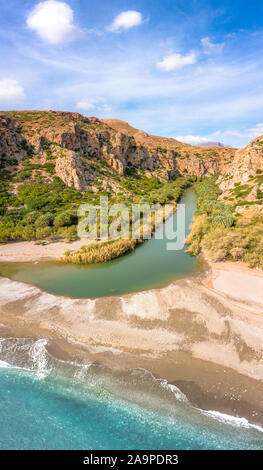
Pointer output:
x,y
203,334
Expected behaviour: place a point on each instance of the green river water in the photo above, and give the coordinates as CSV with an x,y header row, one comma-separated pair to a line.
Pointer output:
x,y
149,266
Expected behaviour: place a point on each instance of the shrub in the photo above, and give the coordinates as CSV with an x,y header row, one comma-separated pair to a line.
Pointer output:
x,y
64,219
28,233
99,252
70,233
44,220
197,232
43,232
31,217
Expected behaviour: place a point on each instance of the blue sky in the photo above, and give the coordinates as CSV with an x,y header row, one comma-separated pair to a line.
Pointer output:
x,y
192,69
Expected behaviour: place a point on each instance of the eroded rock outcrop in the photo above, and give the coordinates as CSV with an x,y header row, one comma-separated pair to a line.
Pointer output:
x,y
79,147
11,141
74,138
245,176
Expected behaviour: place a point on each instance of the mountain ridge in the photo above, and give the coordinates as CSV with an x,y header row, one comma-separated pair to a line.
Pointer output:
x,y
80,140
87,153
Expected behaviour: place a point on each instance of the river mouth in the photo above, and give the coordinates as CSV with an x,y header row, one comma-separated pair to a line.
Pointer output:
x,y
150,266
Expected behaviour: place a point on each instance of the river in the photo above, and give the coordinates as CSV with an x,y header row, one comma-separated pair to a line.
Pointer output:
x,y
150,266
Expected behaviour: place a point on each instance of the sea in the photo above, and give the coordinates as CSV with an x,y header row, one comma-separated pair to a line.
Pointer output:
x,y
48,403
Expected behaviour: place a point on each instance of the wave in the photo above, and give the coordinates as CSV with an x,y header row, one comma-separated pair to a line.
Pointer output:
x,y
5,365
135,385
179,395
38,355
233,420
176,392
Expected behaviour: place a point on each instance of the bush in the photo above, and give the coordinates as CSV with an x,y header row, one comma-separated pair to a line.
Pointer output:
x,y
44,220
99,252
31,217
43,232
64,219
28,233
210,214
70,233
197,232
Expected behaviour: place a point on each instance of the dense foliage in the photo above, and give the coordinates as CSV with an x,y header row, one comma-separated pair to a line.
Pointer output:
x,y
221,234
99,252
46,208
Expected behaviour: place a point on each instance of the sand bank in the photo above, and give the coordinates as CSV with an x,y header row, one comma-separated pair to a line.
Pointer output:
x,y
203,334
31,251
237,280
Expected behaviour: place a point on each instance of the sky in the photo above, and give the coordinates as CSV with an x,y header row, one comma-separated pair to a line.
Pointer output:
x,y
191,70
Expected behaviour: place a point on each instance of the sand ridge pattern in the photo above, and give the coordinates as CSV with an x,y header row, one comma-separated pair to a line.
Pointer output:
x,y
183,333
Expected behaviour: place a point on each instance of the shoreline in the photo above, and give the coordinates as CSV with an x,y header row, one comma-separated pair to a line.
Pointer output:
x,y
45,250
31,251
197,333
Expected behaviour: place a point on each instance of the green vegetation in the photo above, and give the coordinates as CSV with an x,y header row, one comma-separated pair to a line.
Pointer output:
x,y
221,234
99,252
36,205
43,207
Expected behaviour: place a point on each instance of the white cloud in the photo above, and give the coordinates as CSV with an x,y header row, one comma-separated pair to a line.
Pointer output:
x,y
192,139
10,90
105,107
85,105
52,21
199,140
236,134
93,104
175,61
247,133
126,20
256,131
191,104
212,47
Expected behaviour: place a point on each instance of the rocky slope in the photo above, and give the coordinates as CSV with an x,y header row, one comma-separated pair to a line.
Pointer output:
x,y
244,181
86,153
79,148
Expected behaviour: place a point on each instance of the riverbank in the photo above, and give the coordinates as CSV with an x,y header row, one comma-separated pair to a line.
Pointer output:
x,y
202,334
237,280
31,251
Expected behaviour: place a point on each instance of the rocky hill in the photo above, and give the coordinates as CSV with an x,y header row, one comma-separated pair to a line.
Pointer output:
x,y
242,185
51,162
77,149
141,136
87,153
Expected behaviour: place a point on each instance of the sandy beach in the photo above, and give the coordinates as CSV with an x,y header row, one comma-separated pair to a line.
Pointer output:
x,y
203,333
31,251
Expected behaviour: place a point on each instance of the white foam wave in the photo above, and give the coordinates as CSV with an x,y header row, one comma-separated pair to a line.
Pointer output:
x,y
38,355
179,395
41,366
232,420
5,365
81,373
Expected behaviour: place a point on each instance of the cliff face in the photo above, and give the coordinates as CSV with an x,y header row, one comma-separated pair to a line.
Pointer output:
x,y
10,141
244,181
79,148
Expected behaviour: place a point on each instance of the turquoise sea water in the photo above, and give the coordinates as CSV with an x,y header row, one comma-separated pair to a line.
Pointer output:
x,y
50,404
149,266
